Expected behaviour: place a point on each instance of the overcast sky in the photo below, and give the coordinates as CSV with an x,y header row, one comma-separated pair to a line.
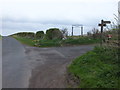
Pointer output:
x,y
35,15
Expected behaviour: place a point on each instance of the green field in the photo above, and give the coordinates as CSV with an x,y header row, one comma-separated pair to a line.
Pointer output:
x,y
97,68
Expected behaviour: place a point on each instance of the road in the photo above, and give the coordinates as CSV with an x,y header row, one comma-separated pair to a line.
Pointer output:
x,y
33,67
0,64
14,64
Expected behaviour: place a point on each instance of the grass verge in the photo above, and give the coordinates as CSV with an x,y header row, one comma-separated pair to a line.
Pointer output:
x,y
26,41
98,68
56,42
0,37
80,41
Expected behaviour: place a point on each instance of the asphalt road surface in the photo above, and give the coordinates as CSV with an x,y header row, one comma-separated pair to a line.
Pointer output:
x,y
49,64
0,64
14,68
33,67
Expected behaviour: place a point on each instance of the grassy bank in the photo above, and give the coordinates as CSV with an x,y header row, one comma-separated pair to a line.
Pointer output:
x,y
97,68
37,42
26,41
56,42
0,37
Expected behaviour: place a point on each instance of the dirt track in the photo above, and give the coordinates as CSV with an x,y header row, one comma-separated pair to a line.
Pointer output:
x,y
48,65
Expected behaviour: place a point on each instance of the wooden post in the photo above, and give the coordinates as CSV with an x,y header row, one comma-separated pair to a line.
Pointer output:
x,y
101,25
101,31
72,30
82,31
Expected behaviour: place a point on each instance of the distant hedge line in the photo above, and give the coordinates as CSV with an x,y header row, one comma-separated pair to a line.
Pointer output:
x,y
53,33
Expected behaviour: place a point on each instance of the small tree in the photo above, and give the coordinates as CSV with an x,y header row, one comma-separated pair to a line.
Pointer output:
x,y
89,34
54,33
95,33
40,34
65,33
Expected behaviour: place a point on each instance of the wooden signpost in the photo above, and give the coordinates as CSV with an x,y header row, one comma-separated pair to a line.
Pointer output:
x,y
103,23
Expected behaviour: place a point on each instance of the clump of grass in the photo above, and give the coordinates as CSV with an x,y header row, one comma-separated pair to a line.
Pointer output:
x,y
97,69
49,43
81,40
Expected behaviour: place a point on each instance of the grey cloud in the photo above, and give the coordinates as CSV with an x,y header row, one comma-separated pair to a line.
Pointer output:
x,y
41,21
26,21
